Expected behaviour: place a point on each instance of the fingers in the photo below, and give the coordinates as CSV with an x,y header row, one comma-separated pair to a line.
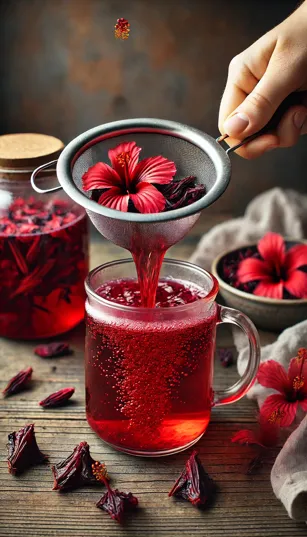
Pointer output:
x,y
291,126
256,147
259,106
239,84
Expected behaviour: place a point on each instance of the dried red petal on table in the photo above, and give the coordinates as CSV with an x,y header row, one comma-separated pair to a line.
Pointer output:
x,y
57,398
18,382
23,450
117,503
194,484
52,350
78,469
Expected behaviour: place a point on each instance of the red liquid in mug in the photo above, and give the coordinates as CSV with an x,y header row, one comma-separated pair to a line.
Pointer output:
x,y
148,384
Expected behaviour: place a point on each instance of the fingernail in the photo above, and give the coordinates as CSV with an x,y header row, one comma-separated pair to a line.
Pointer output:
x,y
236,124
299,119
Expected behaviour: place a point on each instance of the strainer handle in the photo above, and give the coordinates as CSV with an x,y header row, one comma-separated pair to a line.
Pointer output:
x,y
37,172
292,100
241,387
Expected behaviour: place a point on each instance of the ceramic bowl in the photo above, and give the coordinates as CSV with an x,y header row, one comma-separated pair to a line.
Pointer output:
x,y
266,313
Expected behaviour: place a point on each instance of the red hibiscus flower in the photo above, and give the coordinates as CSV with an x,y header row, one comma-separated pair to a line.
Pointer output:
x,y
130,180
265,435
292,387
278,270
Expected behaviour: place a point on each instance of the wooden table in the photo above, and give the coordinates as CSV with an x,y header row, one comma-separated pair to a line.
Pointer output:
x,y
245,505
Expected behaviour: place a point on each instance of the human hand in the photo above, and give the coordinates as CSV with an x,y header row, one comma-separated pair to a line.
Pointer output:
x,y
259,79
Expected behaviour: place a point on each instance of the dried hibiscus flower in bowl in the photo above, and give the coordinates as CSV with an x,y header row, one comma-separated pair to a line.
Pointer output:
x,y
267,281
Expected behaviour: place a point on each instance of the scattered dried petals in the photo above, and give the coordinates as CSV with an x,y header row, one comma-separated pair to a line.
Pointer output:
x,y
57,398
23,450
117,503
77,470
53,350
17,383
225,357
194,484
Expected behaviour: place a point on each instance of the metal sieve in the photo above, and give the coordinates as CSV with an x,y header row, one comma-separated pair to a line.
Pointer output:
x,y
193,152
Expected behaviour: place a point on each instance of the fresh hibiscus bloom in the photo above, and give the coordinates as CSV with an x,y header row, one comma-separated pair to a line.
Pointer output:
x,y
278,270
130,180
281,407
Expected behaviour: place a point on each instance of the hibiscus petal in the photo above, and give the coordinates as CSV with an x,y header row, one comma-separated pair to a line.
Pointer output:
x,y
147,199
271,374
296,257
114,199
277,409
296,284
252,269
245,436
133,151
157,170
297,373
272,248
100,176
269,289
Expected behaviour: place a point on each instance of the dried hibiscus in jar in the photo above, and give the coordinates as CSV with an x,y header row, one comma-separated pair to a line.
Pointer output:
x,y
43,245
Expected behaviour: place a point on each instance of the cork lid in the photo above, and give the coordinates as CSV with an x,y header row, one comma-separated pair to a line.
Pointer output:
x,y
27,151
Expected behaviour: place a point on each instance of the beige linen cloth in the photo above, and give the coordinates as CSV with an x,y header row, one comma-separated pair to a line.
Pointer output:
x,y
285,212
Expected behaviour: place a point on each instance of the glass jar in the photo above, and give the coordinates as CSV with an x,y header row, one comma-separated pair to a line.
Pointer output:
x,y
43,244
149,371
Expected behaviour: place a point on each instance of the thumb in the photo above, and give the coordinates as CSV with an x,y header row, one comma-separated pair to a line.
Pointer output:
x,y
259,106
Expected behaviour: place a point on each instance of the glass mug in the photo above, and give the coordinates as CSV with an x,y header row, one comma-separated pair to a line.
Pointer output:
x,y
149,371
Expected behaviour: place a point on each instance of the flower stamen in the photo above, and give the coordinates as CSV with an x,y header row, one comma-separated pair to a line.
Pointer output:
x,y
100,471
298,382
276,416
123,158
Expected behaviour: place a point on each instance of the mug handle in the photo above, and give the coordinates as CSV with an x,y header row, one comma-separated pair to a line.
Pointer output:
x,y
241,387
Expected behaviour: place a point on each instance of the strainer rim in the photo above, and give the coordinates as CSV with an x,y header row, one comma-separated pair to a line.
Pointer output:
x,y
198,138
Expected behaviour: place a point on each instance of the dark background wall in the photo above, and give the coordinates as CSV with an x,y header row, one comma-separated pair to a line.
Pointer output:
x,y
62,71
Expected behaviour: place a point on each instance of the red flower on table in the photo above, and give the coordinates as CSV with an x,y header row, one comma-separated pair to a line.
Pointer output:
x,y
281,408
278,270
129,180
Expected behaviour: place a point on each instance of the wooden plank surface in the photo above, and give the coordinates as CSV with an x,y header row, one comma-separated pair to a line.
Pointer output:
x,y
245,505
